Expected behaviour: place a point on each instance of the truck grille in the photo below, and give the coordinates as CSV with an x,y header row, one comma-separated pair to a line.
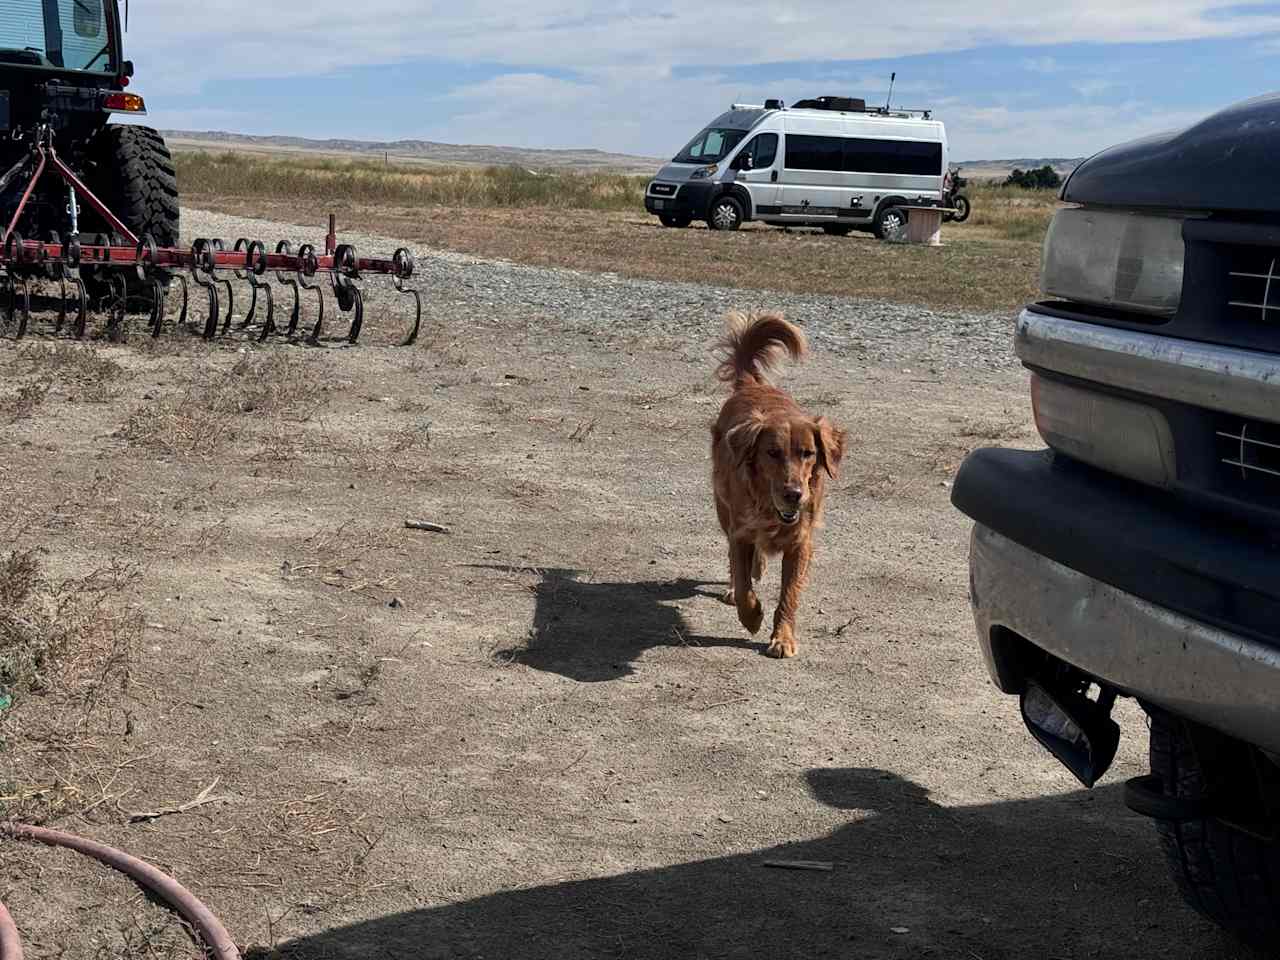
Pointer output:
x,y
1249,451
1254,285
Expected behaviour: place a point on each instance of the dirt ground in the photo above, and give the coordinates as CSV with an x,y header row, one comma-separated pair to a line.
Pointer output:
x,y
537,735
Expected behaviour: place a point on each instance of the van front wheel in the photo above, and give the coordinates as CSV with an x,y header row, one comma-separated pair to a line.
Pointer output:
x,y
726,214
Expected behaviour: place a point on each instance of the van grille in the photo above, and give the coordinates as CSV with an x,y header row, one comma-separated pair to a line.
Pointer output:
x,y
1254,285
1249,452
662,189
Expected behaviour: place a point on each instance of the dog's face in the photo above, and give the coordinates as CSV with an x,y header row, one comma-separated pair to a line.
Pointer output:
x,y
787,458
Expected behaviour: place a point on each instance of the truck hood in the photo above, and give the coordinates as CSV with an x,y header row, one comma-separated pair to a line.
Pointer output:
x,y
1227,161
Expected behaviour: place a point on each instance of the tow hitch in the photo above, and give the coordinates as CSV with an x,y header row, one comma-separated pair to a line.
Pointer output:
x,y
1075,729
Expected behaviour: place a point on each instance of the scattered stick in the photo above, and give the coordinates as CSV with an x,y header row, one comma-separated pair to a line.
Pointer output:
x,y
426,525
199,800
825,866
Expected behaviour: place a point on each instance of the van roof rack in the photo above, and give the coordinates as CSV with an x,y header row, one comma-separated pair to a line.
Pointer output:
x,y
857,105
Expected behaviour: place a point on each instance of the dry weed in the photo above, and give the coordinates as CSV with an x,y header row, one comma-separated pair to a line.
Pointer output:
x,y
210,413
23,403
86,373
73,643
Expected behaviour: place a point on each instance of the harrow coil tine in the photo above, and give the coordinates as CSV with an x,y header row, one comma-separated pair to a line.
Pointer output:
x,y
211,321
357,299
62,305
26,310
269,327
412,336
286,248
296,313
117,320
253,304
82,314
182,314
231,304
157,307
10,302
314,338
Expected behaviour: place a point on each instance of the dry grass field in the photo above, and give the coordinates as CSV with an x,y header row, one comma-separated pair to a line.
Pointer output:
x,y
537,735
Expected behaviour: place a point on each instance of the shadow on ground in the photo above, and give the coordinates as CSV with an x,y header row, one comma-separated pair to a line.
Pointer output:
x,y
591,631
1070,876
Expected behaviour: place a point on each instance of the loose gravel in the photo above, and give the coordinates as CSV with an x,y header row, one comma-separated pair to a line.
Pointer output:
x,y
462,288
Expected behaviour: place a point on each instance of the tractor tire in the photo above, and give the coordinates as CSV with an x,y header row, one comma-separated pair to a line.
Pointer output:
x,y
961,204
1229,876
133,175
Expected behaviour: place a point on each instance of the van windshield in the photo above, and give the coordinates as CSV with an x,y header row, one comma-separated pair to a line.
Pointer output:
x,y
710,145
70,34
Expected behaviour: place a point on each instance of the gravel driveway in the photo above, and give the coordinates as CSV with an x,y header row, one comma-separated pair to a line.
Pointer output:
x,y
467,288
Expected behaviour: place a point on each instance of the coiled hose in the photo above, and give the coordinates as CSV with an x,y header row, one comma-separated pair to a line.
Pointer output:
x,y
215,937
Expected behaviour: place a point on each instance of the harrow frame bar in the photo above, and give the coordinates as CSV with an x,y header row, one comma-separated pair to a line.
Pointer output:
x,y
22,259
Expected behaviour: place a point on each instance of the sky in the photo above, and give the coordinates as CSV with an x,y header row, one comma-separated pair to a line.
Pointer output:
x,y
1010,78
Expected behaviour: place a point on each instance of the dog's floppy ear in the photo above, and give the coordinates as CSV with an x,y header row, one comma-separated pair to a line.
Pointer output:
x,y
741,439
829,441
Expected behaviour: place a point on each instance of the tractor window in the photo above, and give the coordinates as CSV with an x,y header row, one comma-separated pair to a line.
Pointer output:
x,y
70,34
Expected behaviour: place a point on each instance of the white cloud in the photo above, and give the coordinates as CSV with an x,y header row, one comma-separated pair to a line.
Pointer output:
x,y
277,39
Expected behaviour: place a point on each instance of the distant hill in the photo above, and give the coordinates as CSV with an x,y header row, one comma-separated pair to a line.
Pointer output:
x,y
999,169
416,151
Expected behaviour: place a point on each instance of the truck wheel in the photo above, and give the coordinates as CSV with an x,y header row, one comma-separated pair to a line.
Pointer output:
x,y
726,214
891,223
133,175
671,220
1229,876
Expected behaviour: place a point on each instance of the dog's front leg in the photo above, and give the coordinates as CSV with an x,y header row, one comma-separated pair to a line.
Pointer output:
x,y
795,572
750,613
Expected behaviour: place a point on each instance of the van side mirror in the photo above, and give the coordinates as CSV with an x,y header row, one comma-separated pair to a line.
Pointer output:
x,y
746,162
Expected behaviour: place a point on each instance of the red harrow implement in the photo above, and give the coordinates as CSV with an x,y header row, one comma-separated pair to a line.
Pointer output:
x,y
112,257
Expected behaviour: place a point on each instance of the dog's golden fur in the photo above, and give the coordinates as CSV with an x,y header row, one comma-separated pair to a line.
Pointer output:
x,y
770,464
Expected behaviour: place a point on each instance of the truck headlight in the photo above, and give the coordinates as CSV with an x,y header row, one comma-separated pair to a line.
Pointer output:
x,y
703,172
1129,261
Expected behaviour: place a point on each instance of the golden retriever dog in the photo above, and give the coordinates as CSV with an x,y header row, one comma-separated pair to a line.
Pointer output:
x,y
770,463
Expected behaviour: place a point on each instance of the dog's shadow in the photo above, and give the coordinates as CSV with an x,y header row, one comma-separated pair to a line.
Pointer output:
x,y
590,630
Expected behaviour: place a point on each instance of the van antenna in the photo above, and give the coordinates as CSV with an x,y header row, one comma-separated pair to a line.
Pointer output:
x,y
893,76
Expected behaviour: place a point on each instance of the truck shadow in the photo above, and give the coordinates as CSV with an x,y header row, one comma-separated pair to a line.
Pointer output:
x,y
592,631
1072,876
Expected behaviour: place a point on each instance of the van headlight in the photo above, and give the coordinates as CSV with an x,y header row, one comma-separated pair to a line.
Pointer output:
x,y
703,172
1129,261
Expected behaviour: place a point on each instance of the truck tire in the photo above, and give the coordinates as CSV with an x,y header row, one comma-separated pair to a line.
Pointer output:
x,y
1229,876
133,175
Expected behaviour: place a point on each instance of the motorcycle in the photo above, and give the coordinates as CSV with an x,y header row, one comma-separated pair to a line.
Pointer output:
x,y
954,199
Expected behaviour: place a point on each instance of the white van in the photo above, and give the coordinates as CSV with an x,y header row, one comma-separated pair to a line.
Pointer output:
x,y
828,162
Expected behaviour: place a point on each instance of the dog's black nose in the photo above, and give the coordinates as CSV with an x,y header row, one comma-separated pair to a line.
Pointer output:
x,y
792,495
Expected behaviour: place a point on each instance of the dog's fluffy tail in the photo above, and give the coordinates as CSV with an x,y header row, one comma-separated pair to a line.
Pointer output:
x,y
754,344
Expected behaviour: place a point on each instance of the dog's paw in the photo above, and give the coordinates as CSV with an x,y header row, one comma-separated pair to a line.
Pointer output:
x,y
751,614
727,597
781,648
782,645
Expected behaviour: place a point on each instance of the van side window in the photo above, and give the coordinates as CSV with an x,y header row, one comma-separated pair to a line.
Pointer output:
x,y
909,157
764,150
814,153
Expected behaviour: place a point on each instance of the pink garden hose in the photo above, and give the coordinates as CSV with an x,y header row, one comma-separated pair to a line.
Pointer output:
x,y
211,932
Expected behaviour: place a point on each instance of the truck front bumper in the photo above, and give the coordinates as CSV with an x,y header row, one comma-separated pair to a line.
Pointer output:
x,y
1159,604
